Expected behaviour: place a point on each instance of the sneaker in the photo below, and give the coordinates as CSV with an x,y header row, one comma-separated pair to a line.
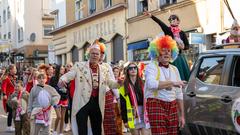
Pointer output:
x,y
67,127
10,129
125,130
54,133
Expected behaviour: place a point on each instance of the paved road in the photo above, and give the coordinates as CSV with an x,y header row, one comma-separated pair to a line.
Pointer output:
x,y
3,122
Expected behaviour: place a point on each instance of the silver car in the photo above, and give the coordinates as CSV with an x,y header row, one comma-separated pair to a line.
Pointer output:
x,y
212,96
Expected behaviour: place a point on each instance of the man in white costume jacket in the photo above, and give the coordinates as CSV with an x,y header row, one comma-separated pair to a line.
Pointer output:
x,y
92,81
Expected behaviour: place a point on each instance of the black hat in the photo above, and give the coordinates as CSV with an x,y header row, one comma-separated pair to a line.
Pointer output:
x,y
173,17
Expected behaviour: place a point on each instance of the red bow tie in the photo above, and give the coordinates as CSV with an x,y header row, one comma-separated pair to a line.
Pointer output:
x,y
161,65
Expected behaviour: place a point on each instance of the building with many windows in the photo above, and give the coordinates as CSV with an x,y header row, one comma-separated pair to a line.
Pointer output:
x,y
208,20
87,20
26,24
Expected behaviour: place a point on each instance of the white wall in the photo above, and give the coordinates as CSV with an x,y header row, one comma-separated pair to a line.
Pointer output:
x,y
60,5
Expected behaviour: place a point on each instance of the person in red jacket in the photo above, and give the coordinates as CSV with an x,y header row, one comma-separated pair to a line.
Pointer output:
x,y
70,90
7,89
32,80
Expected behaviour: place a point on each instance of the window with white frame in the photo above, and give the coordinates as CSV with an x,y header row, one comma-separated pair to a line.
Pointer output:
x,y
47,29
107,3
78,9
166,2
8,13
4,16
92,6
141,6
20,34
56,19
9,35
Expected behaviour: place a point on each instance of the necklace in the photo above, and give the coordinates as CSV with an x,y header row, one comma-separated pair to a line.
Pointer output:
x,y
95,78
167,74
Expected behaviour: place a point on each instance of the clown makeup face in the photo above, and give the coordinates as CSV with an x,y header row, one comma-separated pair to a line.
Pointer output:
x,y
94,56
165,56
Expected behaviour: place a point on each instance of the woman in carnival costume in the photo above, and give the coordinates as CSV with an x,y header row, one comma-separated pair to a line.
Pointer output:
x,y
133,106
182,42
163,88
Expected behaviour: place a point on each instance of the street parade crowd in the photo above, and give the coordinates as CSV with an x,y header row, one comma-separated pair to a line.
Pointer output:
x,y
100,98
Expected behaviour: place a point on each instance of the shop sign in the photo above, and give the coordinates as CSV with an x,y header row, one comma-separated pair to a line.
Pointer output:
x,y
197,38
94,31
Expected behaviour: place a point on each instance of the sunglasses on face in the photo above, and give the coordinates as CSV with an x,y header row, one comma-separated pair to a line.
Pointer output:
x,y
132,68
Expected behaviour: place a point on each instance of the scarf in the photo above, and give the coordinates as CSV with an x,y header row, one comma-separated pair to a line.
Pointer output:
x,y
135,104
19,107
175,30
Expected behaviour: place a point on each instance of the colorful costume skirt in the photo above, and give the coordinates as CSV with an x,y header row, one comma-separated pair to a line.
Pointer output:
x,y
163,117
109,122
182,66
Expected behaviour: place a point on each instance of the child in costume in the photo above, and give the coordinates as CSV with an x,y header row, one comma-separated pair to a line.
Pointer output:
x,y
182,42
18,102
42,98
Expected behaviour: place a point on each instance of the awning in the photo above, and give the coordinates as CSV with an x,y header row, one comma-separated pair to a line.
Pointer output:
x,y
138,45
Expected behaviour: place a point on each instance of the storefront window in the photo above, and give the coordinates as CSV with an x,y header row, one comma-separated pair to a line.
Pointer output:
x,y
140,55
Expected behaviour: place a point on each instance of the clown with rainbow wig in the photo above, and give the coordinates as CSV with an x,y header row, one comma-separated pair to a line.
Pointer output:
x,y
163,88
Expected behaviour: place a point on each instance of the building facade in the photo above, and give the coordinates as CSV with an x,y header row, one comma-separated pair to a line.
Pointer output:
x,y
25,24
86,21
204,18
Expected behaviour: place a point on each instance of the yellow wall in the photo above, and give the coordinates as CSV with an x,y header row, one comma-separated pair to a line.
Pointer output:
x,y
143,27
70,8
70,11
108,26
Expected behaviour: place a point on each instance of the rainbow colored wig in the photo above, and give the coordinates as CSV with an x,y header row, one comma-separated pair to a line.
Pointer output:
x,y
158,43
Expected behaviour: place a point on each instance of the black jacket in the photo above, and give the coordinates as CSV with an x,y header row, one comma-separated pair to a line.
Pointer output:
x,y
167,31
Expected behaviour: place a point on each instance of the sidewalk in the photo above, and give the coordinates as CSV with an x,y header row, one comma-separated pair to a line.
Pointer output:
x,y
3,122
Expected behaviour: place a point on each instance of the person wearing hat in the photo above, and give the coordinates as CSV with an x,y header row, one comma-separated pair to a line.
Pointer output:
x,y
109,121
91,82
180,37
234,33
163,88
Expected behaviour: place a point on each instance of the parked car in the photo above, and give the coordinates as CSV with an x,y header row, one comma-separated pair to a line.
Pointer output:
x,y
212,96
